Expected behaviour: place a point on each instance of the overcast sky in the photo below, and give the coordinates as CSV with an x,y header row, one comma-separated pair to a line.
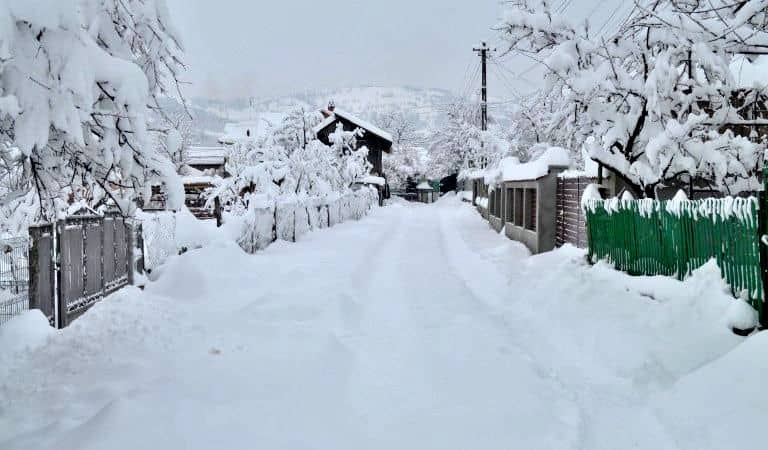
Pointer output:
x,y
238,48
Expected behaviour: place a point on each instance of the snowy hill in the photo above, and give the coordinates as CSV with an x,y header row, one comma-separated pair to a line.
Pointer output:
x,y
426,107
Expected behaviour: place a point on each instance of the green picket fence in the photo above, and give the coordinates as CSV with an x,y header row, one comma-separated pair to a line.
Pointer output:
x,y
673,238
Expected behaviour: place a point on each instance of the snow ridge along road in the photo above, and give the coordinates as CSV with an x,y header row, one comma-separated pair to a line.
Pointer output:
x,y
414,328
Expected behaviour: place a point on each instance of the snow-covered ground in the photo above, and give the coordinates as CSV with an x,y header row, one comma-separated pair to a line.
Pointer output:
x,y
414,328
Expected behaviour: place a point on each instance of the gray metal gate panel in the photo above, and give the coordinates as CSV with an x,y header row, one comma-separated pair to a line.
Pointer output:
x,y
93,265
42,294
121,237
71,273
108,254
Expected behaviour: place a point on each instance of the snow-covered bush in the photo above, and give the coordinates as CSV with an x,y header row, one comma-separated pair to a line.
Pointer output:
x,y
653,101
77,79
301,182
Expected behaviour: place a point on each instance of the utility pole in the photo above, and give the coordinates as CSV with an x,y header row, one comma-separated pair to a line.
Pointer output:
x,y
483,52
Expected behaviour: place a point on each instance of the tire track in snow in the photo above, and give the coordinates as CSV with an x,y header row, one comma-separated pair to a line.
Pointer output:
x,y
599,405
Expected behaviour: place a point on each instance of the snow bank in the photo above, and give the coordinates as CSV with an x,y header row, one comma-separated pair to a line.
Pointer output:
x,y
22,334
722,404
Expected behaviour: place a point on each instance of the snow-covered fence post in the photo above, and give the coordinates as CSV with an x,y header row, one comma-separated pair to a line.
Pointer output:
x,y
762,219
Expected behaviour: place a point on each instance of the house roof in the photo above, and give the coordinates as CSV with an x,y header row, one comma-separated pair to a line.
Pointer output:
x,y
258,129
331,117
206,156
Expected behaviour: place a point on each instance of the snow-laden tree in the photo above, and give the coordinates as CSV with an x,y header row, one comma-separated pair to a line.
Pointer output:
x,y
655,97
543,118
174,139
77,79
404,163
408,147
462,144
267,172
296,129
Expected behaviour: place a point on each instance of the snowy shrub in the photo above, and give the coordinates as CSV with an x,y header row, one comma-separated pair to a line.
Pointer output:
x,y
258,229
306,183
301,220
285,223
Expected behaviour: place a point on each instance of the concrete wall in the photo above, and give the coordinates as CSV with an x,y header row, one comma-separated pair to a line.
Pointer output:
x,y
543,238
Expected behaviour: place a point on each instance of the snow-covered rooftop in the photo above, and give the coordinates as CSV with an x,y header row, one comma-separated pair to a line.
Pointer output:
x,y
206,156
425,186
367,126
255,129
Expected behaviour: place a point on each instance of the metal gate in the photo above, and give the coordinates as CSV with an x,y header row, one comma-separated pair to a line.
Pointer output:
x,y
77,262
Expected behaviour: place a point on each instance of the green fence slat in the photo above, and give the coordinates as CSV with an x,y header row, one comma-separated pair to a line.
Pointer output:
x,y
660,242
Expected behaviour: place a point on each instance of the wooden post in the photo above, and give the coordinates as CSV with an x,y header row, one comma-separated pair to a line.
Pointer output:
x,y
217,211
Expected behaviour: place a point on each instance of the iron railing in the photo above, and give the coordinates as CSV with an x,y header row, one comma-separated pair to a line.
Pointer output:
x,y
14,277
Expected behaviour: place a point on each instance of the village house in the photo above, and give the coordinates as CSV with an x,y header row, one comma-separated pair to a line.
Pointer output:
x,y
374,138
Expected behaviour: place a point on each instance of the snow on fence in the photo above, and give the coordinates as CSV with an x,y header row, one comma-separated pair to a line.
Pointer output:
x,y
673,238
289,220
159,234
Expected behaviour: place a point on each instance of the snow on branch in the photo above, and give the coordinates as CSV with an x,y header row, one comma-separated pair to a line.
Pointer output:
x,y
77,81
653,102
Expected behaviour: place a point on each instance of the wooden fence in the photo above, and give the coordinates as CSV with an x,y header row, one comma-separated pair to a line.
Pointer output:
x,y
673,238
77,262
571,222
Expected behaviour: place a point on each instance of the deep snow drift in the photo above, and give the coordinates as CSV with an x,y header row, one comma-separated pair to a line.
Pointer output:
x,y
415,328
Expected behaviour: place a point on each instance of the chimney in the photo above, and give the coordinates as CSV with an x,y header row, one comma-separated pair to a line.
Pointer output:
x,y
331,106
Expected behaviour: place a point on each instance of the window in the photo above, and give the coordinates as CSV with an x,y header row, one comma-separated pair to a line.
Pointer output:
x,y
530,209
509,201
518,207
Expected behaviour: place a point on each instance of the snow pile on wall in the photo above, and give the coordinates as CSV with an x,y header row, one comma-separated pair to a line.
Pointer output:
x,y
292,218
510,168
552,157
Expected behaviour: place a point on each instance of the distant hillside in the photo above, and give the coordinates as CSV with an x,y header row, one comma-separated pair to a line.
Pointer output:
x,y
425,107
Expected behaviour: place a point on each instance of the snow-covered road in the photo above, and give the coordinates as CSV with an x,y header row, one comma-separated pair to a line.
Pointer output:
x,y
415,328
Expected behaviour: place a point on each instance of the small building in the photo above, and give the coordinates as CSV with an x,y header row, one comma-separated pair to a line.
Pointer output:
x,y
374,138
426,192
